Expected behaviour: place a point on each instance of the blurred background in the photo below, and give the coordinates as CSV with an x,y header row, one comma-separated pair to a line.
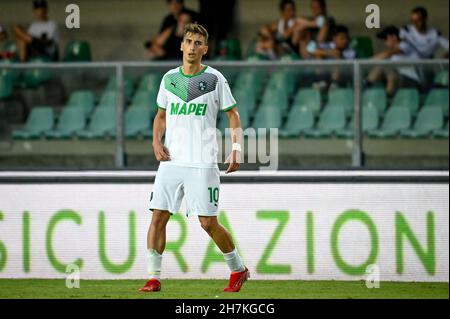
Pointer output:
x,y
342,95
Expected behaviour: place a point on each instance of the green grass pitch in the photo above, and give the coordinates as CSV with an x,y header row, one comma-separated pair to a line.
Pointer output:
x,y
212,289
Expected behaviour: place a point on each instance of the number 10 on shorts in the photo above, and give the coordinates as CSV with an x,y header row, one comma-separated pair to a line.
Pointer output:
x,y
213,194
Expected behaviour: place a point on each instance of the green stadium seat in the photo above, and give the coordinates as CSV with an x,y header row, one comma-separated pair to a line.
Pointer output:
x,y
438,97
246,102
275,98
283,80
230,49
72,119
150,82
341,97
128,86
442,132
376,97
102,124
223,122
429,119
363,46
82,98
6,87
40,120
299,120
395,120
137,119
441,78
251,81
145,99
407,97
267,117
108,99
77,51
32,78
331,119
309,98
14,74
370,122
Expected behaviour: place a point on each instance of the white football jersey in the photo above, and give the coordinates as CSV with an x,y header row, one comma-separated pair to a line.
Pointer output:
x,y
191,103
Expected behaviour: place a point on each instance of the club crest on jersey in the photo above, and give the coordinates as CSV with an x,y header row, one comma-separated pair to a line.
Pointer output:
x,y
202,85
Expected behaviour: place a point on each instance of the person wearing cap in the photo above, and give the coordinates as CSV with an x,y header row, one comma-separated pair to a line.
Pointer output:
x,y
42,37
395,50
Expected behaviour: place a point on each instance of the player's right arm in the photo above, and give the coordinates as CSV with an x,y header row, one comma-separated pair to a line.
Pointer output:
x,y
159,127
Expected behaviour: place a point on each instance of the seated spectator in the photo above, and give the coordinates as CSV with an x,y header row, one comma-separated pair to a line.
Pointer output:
x,y
41,39
423,39
166,46
316,28
169,23
3,41
335,49
275,39
395,50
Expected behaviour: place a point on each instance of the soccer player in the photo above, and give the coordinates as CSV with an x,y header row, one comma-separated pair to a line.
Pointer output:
x,y
188,101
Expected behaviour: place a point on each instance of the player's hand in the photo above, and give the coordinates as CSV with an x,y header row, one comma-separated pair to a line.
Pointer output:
x,y
234,159
161,152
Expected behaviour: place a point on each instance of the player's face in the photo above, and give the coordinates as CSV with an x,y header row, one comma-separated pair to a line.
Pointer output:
x,y
194,47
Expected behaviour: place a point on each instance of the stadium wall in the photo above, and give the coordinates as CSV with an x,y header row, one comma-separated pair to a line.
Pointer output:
x,y
309,225
123,26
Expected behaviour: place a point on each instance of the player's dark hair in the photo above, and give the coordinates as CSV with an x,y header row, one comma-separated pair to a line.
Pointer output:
x,y
422,11
340,29
196,28
179,1
284,3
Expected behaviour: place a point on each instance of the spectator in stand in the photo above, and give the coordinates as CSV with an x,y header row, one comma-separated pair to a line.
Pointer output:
x,y
395,50
166,46
335,49
316,28
3,40
156,47
423,39
275,39
42,37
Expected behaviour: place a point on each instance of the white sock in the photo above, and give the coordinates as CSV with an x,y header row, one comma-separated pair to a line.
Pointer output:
x,y
234,261
154,260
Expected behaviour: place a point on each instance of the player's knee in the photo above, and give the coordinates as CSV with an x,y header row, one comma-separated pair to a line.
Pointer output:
x,y
160,219
208,225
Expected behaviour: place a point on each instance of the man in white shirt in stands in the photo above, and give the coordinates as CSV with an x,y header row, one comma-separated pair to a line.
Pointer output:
x,y
42,37
423,39
395,50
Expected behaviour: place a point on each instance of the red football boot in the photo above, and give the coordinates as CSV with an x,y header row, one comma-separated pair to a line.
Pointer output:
x,y
236,281
151,286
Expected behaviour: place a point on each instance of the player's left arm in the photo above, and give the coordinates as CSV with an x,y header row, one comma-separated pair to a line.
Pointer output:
x,y
234,159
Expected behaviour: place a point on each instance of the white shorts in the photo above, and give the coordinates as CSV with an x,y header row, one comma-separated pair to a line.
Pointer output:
x,y
200,185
